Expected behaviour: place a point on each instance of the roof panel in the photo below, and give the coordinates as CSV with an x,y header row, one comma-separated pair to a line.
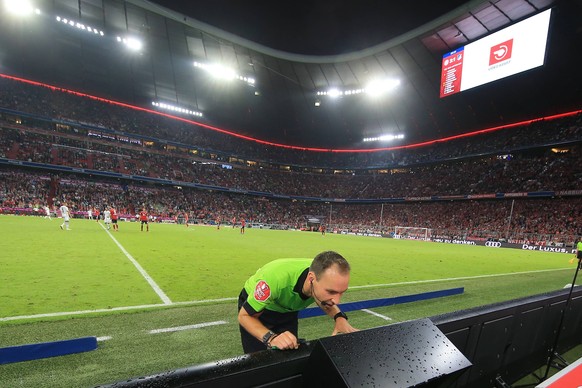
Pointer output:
x,y
491,18
316,74
304,77
346,74
541,4
196,47
436,44
332,76
471,28
453,36
515,9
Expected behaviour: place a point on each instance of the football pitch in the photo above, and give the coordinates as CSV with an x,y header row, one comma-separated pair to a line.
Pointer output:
x,y
166,298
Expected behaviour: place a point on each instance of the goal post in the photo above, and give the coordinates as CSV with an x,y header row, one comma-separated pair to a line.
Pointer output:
x,y
412,233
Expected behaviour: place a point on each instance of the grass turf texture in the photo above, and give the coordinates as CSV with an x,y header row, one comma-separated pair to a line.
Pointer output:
x,y
46,270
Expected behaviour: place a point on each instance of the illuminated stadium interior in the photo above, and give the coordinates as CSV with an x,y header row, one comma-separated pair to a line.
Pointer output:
x,y
277,102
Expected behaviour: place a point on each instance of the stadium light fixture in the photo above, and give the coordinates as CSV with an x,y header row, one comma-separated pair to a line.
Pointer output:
x,y
385,138
177,109
131,43
223,72
80,26
335,92
380,87
20,7
375,88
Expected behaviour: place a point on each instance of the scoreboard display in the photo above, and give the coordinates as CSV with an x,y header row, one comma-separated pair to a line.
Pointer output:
x,y
509,51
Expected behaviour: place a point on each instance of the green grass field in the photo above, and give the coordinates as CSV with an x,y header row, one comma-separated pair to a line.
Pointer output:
x,y
57,285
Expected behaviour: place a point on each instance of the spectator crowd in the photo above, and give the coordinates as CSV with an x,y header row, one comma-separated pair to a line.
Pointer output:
x,y
55,128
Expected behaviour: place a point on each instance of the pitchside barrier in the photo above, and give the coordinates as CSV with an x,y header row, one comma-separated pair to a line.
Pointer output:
x,y
487,346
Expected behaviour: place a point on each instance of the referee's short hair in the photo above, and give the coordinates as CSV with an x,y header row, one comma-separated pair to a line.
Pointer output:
x,y
325,260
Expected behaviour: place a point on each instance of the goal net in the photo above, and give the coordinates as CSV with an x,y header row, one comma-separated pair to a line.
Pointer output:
x,y
412,233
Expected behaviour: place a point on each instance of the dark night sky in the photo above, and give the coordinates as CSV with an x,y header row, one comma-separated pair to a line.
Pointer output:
x,y
322,27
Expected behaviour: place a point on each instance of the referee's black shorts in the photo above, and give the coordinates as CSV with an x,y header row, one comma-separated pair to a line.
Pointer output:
x,y
274,321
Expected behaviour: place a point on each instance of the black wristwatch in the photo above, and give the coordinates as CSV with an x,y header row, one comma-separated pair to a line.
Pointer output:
x,y
267,337
341,314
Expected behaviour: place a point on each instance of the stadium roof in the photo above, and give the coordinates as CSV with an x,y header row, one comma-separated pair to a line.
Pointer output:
x,y
280,105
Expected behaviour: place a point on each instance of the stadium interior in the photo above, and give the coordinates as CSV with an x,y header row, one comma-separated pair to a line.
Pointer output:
x,y
132,103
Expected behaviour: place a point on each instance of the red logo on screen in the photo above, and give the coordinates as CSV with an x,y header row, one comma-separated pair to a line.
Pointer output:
x,y
500,52
262,291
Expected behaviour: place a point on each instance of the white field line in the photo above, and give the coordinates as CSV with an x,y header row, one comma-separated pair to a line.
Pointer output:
x,y
142,271
124,308
376,314
460,278
195,302
104,338
189,327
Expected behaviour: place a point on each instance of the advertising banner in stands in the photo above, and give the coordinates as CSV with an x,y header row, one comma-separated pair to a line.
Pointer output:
x,y
499,244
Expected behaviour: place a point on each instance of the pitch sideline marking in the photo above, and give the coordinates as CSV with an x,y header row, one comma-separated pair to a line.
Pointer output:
x,y
376,314
142,271
172,329
188,327
194,302
104,338
460,278
124,308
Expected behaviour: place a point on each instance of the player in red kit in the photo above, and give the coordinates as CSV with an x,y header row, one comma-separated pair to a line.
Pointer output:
x,y
143,217
114,218
242,225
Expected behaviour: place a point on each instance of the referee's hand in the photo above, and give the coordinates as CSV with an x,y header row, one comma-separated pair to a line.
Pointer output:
x,y
284,341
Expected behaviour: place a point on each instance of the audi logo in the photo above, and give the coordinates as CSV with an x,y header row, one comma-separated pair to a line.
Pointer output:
x,y
493,244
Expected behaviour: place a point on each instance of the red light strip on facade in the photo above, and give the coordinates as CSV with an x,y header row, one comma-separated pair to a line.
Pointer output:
x,y
230,133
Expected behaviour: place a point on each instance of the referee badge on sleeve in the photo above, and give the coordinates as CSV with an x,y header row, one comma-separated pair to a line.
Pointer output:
x,y
262,291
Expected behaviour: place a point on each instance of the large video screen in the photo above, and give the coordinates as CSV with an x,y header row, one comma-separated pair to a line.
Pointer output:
x,y
512,50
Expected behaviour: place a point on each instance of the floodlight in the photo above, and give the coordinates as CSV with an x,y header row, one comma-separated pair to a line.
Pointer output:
x,y
79,25
377,88
334,93
384,138
223,72
133,44
173,108
19,7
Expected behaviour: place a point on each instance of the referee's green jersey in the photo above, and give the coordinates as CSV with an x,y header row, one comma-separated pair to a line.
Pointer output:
x,y
277,285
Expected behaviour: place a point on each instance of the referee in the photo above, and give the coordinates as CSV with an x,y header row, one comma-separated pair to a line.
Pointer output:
x,y
271,299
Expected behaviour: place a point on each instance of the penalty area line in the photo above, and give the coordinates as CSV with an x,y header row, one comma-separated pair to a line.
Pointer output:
x,y
157,289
